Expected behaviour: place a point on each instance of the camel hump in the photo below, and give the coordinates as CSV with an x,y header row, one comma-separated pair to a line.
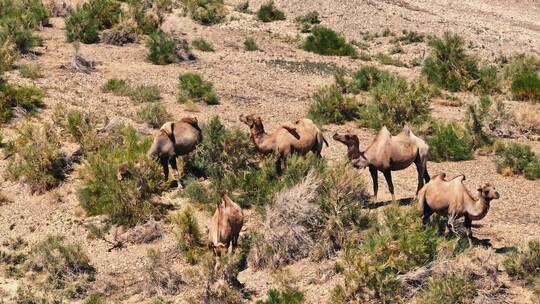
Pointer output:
x,y
459,178
406,131
384,133
441,176
192,121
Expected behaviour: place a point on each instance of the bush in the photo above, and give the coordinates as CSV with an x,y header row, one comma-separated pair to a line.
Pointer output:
x,y
250,45
160,277
8,54
287,296
40,164
306,22
145,93
193,87
525,264
367,77
388,60
29,98
82,128
18,20
331,106
450,142
409,37
188,234
520,159
520,65
325,41
527,87
64,263
118,87
477,115
448,291
449,67
161,49
81,27
105,13
154,115
127,201
32,71
394,103
396,245
206,12
268,12
532,171
202,45
120,34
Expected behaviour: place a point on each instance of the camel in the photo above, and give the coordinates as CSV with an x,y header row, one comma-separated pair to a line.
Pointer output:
x,y
299,137
225,226
175,139
452,199
388,153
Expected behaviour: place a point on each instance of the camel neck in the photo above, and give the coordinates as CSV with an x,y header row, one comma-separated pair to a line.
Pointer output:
x,y
258,134
477,209
353,152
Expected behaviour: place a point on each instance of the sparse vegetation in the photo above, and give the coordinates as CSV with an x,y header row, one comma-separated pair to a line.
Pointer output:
x,y
164,49
154,115
160,277
250,45
409,37
525,265
202,45
120,34
325,41
18,20
193,87
448,291
268,12
519,159
145,93
32,71
243,7
450,142
389,60
118,87
331,106
188,234
85,22
205,12
527,87
306,22
287,296
367,77
27,98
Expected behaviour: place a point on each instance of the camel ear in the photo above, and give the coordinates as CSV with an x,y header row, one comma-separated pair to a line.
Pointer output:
x,y
242,118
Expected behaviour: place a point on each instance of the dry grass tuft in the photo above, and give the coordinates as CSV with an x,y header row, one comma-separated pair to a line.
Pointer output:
x,y
527,117
160,276
145,233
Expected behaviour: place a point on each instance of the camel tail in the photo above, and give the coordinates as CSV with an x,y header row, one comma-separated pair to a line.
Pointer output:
x,y
422,199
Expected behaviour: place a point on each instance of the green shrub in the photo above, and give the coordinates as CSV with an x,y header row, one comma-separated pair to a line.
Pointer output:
x,y
63,263
81,27
306,22
481,116
161,49
250,45
145,93
331,106
18,20
449,67
367,77
193,87
8,54
393,103
527,87
397,244
532,171
325,41
105,13
118,87
519,158
268,12
120,34
154,115
202,45
287,296
205,12
28,98
82,128
127,201
450,142
525,264
94,298
148,21
519,66
39,162
388,60
409,37
187,231
32,71
451,290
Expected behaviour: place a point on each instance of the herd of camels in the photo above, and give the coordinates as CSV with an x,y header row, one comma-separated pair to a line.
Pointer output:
x,y
386,153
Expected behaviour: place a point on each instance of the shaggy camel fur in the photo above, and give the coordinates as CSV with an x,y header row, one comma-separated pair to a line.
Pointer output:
x,y
452,199
174,139
299,137
225,226
388,153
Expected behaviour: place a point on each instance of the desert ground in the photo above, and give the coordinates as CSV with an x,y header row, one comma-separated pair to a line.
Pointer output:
x,y
271,83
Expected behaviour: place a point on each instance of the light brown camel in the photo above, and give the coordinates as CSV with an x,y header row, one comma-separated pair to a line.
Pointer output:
x,y
452,199
226,225
388,153
299,137
175,139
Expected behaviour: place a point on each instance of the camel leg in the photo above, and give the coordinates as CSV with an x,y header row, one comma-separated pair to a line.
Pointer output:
x,y
421,171
427,213
165,164
374,177
427,178
468,225
278,166
388,177
172,161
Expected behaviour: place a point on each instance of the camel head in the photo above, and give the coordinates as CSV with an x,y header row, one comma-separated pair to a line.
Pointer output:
x,y
488,192
220,248
252,121
348,139
353,149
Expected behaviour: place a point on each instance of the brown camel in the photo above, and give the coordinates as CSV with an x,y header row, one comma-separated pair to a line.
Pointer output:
x,y
452,199
388,153
175,139
300,137
225,226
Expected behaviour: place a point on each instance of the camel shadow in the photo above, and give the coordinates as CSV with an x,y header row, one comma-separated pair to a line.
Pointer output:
x,y
402,202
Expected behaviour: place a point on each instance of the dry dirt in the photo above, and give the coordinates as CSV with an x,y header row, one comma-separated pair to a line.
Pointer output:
x,y
251,82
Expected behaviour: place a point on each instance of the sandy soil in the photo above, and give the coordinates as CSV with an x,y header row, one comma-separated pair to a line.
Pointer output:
x,y
260,82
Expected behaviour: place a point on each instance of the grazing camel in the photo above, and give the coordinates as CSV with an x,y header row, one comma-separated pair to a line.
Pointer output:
x,y
452,199
300,137
388,153
175,139
225,226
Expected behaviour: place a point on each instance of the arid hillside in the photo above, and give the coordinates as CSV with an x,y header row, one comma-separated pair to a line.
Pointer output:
x,y
83,89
